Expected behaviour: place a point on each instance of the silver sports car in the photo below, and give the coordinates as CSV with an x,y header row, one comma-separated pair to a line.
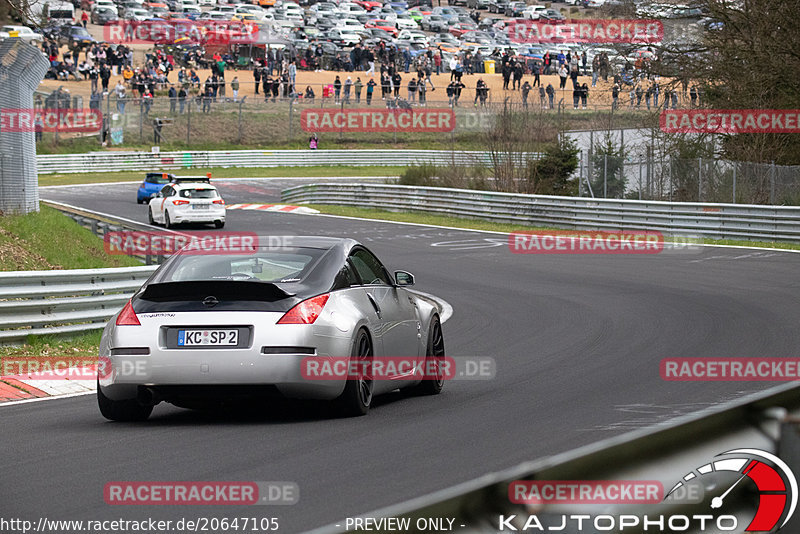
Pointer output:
x,y
220,325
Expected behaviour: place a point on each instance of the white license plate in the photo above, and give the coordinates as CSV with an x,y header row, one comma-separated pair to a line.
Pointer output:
x,y
190,338
201,206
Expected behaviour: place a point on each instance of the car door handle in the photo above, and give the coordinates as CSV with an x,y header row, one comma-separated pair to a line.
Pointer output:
x,y
374,305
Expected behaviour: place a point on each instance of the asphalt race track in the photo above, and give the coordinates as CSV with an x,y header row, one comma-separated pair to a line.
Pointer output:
x,y
577,340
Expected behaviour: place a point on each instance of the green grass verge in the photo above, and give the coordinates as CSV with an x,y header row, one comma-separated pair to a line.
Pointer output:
x,y
50,240
223,172
473,224
79,346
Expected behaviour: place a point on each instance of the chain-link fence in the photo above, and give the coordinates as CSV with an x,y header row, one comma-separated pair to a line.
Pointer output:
x,y
689,180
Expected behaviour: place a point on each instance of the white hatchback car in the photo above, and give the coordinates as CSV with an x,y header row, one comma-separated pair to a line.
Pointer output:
x,y
187,200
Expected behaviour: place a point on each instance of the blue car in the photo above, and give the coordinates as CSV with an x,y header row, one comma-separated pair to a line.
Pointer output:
x,y
151,185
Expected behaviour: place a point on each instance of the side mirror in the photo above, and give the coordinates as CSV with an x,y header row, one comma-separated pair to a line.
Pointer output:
x,y
403,278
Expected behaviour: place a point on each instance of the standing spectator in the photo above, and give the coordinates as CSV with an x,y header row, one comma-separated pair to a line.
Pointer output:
x,y
412,89
348,85
370,89
615,97
173,95
207,97
406,58
647,96
562,74
94,74
396,81
551,94
421,88
235,88
147,101
584,95
595,69
84,18
181,99
576,96
370,62
453,66
656,92
119,91
105,76
674,99
257,77
639,94
266,84
505,70
535,71
450,91
459,86
292,70
517,75
386,86
693,95
337,89
526,89
357,88
437,61
541,97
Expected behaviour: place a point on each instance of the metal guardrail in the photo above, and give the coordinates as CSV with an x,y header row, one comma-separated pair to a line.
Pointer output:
x,y
664,453
62,302
146,161
716,221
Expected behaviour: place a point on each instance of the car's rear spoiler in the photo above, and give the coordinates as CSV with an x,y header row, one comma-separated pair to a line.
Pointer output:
x,y
239,290
192,179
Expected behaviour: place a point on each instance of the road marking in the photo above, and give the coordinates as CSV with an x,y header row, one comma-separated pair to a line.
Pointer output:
x,y
285,208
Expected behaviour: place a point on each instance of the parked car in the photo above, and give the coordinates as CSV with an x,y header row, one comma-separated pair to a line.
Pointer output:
x,y
498,6
478,4
24,33
102,15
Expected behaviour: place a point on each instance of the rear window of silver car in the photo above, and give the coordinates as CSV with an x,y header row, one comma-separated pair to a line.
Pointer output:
x,y
263,266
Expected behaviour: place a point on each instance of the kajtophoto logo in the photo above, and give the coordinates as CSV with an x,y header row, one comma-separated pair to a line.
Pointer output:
x,y
744,483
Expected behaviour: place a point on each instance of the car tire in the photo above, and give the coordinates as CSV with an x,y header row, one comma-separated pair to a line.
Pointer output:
x,y
433,354
150,217
218,224
125,410
356,398
167,222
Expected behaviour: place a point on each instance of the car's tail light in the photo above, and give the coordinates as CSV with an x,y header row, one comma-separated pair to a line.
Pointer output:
x,y
305,312
180,202
218,201
127,317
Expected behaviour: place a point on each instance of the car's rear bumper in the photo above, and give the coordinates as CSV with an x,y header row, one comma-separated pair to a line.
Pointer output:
x,y
216,368
211,215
